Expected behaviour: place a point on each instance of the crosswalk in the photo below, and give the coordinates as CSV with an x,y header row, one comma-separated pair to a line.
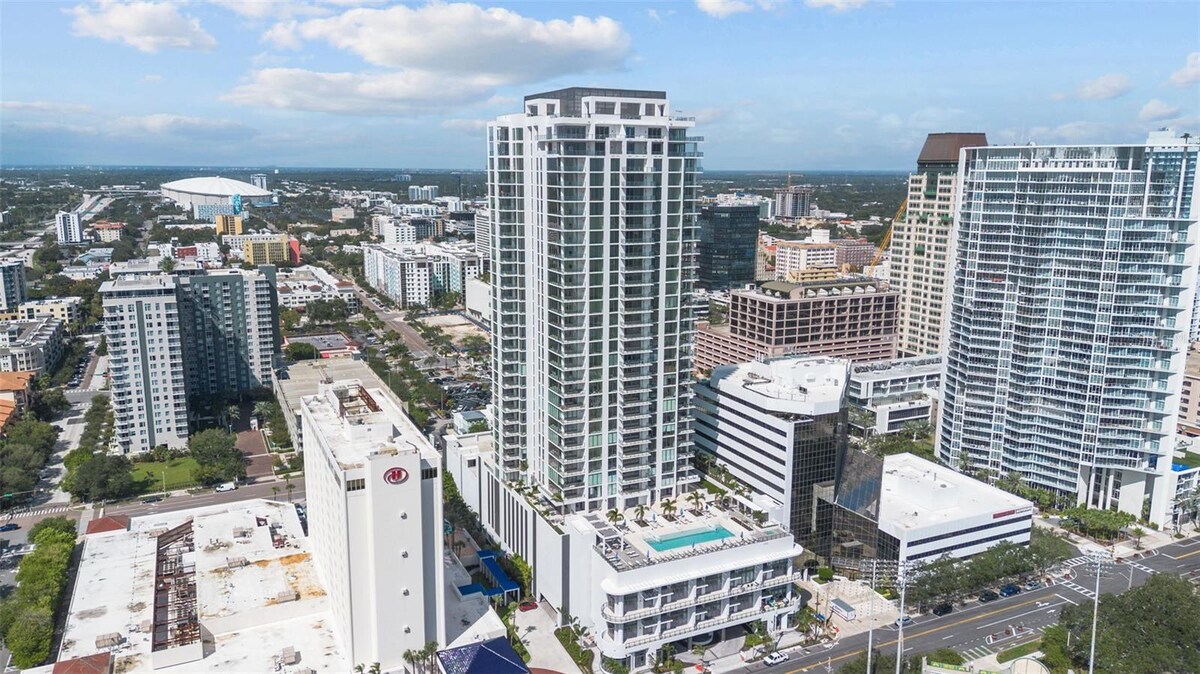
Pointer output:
x,y
40,512
977,652
1078,588
1076,561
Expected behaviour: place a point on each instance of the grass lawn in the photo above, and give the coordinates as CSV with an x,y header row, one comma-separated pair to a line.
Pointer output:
x,y
1190,459
149,474
1017,651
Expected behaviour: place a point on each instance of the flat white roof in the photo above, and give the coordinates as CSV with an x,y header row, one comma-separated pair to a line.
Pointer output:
x,y
358,420
917,493
257,591
805,384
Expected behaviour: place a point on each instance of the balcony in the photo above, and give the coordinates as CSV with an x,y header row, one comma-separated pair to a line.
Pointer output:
x,y
744,588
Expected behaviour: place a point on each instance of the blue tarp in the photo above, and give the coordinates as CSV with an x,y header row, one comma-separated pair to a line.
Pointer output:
x,y
495,656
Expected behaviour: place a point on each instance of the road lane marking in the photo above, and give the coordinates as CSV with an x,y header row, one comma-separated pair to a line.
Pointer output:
x,y
997,622
1189,554
1065,599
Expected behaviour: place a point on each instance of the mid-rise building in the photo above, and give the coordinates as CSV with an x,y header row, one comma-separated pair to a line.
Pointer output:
x,y
259,180
848,318
34,345
1073,287
341,214
778,427
1188,420
793,259
13,288
66,309
793,202
920,247
855,253
399,232
420,274
483,233
173,337
108,232
727,246
885,395
422,193
228,225
69,228
375,489
275,249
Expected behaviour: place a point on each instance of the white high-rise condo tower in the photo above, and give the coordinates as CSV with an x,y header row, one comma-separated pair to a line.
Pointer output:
x,y
68,227
1074,276
593,231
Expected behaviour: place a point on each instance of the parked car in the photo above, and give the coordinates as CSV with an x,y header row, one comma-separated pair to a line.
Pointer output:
x,y
11,526
228,486
151,499
988,595
775,658
1010,590
905,620
943,609
1033,584
528,606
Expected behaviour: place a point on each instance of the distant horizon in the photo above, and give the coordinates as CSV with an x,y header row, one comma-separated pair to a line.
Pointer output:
x,y
134,167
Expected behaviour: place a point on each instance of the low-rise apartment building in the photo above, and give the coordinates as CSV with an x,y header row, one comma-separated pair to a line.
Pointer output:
x,y
65,309
885,395
420,274
795,259
34,345
297,287
853,319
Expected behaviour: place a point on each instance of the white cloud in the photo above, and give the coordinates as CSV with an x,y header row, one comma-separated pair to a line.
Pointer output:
x,y
44,106
837,5
1104,87
1189,73
145,26
179,125
283,35
358,93
1071,132
723,8
468,40
152,79
1156,110
465,125
658,16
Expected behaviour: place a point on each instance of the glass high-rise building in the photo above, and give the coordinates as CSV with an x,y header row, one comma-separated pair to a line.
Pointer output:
x,y
728,245
593,199
1074,277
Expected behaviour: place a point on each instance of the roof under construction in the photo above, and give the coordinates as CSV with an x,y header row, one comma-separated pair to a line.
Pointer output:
x,y
942,148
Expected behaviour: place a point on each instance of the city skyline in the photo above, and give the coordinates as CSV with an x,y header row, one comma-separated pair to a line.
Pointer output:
x,y
336,84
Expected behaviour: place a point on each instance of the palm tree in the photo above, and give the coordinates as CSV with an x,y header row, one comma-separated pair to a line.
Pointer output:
x,y
696,498
264,409
358,669
375,668
275,490
639,513
232,414
669,508
409,656
615,516
430,652
1137,533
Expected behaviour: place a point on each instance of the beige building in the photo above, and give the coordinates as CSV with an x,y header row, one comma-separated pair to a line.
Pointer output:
x,y
65,309
108,232
796,261
228,224
1189,401
920,265
266,251
853,319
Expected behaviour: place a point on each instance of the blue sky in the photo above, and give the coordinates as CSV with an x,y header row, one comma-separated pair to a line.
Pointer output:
x,y
775,84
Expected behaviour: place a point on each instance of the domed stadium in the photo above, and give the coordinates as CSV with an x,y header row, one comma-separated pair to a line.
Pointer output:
x,y
215,191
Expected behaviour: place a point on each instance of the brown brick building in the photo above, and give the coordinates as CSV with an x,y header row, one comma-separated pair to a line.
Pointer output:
x,y
847,318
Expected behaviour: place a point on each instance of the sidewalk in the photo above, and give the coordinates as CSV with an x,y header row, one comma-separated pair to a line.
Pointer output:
x,y
1152,539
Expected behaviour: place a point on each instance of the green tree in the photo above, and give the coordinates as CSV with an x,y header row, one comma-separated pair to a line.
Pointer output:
x,y
102,477
54,524
30,636
327,311
217,457
288,319
301,351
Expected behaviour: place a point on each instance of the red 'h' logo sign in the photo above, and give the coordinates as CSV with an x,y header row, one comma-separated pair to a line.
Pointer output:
x,y
395,475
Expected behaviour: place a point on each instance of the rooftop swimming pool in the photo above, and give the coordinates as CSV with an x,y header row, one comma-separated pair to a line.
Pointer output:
x,y
682,539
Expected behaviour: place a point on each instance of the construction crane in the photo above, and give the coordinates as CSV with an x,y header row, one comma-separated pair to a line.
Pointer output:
x,y
887,237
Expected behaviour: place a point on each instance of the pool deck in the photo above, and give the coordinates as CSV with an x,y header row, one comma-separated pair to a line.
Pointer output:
x,y
626,544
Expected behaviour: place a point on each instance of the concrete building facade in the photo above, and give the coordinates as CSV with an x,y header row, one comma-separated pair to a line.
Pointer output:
x,y
13,288
68,227
34,345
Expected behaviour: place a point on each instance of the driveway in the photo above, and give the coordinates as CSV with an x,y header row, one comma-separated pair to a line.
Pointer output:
x,y
536,629
258,459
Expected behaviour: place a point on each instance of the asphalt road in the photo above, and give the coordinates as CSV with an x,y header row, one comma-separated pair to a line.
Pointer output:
x,y
209,497
394,320
967,628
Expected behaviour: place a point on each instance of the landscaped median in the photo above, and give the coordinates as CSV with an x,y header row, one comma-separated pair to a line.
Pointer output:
x,y
1018,651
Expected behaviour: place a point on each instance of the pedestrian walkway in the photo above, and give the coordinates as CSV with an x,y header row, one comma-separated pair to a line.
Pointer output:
x,y
39,512
977,652
1078,588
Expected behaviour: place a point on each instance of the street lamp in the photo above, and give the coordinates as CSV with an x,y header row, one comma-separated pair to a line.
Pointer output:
x,y
902,570
1100,558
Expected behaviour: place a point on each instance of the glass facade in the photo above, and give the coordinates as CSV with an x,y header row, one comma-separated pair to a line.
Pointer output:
x,y
1072,293
728,243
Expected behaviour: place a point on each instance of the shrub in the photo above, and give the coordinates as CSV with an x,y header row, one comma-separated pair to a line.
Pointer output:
x,y
581,656
824,574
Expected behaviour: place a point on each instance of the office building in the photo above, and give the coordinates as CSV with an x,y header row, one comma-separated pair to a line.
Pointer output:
x,y
399,232
171,338
267,249
426,228
728,240
793,202
902,508
34,345
341,214
65,309
854,253
298,286
219,588
853,319
13,289
919,253
228,225
259,180
778,427
374,485
887,394
1073,285
69,228
421,274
